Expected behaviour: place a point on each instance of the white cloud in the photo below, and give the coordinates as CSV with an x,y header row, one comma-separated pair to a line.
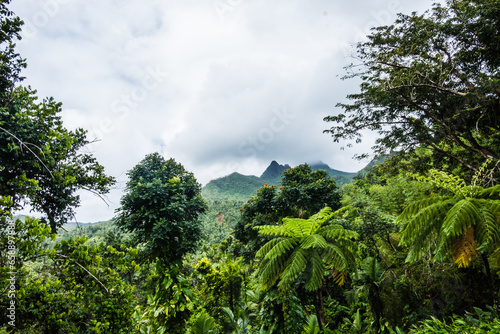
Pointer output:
x,y
201,81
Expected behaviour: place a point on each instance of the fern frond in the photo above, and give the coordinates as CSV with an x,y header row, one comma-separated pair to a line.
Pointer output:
x,y
313,241
424,222
281,247
296,264
296,227
414,208
273,230
316,276
336,232
465,248
339,277
319,219
270,270
335,257
461,215
267,247
492,193
487,231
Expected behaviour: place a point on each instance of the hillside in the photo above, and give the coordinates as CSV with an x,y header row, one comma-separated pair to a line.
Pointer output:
x,y
241,187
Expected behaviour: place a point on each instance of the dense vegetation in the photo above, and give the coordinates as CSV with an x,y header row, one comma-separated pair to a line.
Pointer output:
x,y
411,245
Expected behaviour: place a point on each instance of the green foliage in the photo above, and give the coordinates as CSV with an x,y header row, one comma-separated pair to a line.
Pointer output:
x,y
312,326
41,161
430,81
301,193
301,244
69,287
169,309
161,207
204,324
463,224
480,322
219,220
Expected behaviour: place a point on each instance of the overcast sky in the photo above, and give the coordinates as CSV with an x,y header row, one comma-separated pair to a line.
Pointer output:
x,y
220,86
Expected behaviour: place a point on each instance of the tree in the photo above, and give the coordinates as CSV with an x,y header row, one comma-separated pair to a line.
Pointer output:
x,y
463,224
430,80
302,192
306,247
41,162
66,287
160,207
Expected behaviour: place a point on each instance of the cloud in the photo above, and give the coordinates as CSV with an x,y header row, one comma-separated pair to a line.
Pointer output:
x,y
220,85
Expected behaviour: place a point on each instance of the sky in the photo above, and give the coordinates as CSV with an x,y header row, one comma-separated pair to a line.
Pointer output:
x,y
218,85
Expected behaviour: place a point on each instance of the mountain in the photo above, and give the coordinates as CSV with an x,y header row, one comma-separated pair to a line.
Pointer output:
x,y
272,174
234,186
241,187
339,176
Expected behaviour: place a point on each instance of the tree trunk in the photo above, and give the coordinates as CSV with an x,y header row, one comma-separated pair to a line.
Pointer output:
x,y
491,280
320,310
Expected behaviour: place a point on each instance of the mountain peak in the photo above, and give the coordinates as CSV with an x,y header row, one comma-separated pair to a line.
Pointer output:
x,y
273,171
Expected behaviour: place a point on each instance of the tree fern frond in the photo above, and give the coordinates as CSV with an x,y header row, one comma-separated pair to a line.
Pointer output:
x,y
273,230
487,231
414,208
267,247
281,247
296,264
465,248
492,193
461,215
339,277
336,232
421,224
316,276
296,227
320,218
313,241
270,270
335,257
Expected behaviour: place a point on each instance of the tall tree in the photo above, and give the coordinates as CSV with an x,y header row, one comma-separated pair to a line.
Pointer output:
x,y
307,247
41,162
430,80
160,207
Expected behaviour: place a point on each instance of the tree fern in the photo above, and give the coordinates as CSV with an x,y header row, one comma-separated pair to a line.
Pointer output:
x,y
463,225
305,248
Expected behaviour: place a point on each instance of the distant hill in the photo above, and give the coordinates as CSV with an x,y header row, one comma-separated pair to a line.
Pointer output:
x,y
241,187
234,186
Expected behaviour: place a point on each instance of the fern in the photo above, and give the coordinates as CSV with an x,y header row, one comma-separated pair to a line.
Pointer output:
x,y
305,247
